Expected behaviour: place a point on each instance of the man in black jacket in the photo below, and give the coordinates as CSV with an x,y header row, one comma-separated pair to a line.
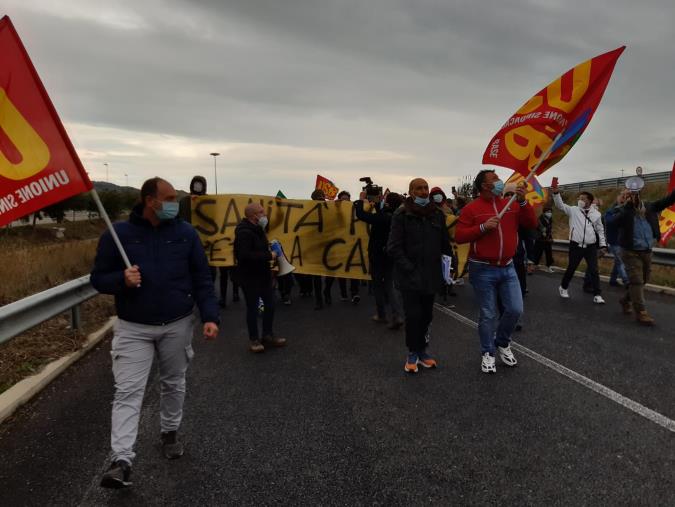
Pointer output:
x,y
154,298
638,224
381,264
416,242
253,256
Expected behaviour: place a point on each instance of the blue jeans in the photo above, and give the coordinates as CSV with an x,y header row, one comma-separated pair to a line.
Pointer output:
x,y
487,282
618,270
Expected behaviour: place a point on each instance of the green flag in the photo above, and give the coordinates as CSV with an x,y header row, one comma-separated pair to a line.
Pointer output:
x,y
281,195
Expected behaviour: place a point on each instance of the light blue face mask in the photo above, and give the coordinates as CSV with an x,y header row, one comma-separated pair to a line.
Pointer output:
x,y
263,221
421,201
168,211
498,188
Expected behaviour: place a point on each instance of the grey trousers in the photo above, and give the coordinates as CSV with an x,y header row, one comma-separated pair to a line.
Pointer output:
x,y
133,350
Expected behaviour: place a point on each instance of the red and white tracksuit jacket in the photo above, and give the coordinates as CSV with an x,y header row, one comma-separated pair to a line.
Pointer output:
x,y
497,246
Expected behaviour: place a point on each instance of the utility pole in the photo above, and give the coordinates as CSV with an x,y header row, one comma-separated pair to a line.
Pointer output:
x,y
215,171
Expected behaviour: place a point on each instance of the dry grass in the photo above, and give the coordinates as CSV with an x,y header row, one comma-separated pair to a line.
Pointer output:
x,y
29,270
33,260
26,354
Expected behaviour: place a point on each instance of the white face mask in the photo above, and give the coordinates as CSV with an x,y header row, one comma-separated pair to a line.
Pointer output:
x,y
548,214
581,203
262,222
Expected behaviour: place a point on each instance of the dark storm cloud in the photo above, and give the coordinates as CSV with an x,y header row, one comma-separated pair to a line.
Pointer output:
x,y
430,80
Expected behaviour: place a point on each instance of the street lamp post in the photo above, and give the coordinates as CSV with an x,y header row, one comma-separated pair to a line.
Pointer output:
x,y
215,172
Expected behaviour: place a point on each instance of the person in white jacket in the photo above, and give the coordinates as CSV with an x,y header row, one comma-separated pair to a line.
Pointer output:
x,y
587,240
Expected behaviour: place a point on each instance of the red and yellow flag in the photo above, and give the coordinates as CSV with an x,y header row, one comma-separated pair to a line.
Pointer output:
x,y
38,164
536,194
565,106
667,219
328,187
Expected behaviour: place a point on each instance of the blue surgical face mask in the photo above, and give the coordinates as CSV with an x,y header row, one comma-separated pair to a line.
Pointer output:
x,y
382,204
438,198
421,201
168,211
263,221
498,188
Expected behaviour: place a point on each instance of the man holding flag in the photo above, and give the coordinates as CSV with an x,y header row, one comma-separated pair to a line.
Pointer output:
x,y
494,240
532,140
154,299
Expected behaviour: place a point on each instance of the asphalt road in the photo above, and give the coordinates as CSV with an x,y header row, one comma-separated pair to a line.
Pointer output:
x,y
333,420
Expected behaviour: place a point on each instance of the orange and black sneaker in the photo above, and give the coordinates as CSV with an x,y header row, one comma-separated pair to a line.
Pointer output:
x,y
411,363
426,360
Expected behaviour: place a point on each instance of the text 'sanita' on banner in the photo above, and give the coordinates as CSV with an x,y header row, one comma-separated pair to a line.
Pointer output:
x,y
318,238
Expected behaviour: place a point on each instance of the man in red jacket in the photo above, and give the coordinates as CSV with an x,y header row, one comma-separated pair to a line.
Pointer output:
x,y
491,271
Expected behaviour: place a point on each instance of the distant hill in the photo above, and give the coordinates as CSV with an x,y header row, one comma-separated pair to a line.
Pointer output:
x,y
104,186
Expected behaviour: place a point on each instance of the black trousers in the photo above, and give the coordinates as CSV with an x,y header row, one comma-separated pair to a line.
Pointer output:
x,y
285,285
342,282
541,247
419,311
590,255
226,273
252,294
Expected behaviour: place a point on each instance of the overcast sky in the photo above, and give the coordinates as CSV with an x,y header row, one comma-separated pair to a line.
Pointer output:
x,y
392,89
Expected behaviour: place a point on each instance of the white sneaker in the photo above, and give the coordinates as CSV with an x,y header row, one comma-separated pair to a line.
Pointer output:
x,y
506,355
563,293
550,269
488,363
598,300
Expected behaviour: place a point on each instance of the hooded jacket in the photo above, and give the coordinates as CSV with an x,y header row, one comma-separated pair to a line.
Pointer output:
x,y
497,246
417,239
174,271
584,224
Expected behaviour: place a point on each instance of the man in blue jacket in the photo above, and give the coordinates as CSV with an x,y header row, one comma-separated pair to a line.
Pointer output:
x,y
154,300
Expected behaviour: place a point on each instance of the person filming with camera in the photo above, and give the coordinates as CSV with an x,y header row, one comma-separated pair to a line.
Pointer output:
x,y
387,296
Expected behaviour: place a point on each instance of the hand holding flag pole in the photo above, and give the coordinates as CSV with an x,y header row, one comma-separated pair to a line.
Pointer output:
x,y
543,157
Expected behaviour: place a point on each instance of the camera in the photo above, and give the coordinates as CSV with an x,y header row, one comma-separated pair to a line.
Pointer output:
x,y
372,191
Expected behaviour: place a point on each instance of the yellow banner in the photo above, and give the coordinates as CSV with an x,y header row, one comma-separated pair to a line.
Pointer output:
x,y
318,237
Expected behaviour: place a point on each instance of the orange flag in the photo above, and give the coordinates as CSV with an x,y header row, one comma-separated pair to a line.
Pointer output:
x,y
328,187
667,219
38,164
566,106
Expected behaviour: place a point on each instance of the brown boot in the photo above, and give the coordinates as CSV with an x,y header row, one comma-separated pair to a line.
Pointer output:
x,y
626,306
644,318
256,347
274,341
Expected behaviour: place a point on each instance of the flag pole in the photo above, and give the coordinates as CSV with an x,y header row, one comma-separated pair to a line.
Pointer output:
x,y
532,172
113,233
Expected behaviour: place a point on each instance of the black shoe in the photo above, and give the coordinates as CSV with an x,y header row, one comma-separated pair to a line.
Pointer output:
x,y
117,476
171,447
356,299
519,327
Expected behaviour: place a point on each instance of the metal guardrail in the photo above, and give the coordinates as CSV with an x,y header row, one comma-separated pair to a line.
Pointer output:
x,y
17,317
614,182
661,256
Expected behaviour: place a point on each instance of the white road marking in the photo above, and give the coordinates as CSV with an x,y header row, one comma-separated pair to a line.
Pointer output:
x,y
634,406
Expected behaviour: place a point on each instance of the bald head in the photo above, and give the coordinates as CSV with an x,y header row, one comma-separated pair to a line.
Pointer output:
x,y
418,188
252,210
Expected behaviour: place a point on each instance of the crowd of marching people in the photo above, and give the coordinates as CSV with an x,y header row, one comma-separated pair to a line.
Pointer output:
x,y
155,296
